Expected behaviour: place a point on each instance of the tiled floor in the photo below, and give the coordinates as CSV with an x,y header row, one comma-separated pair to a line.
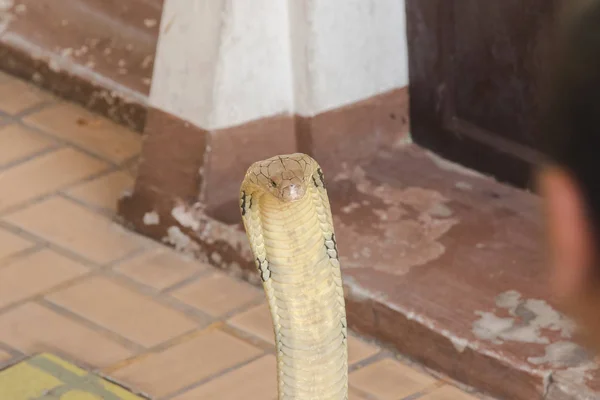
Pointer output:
x,y
75,284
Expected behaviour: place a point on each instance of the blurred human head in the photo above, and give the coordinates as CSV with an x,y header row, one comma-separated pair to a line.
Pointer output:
x,y
570,179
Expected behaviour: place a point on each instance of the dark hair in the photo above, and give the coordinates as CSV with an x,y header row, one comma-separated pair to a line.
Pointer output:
x,y
571,118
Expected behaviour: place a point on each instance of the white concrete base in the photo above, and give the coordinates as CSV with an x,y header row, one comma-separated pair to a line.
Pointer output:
x,y
221,63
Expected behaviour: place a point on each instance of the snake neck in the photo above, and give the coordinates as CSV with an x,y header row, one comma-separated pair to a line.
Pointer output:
x,y
305,298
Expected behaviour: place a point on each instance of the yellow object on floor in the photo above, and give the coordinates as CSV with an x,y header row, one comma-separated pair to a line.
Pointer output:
x,y
48,377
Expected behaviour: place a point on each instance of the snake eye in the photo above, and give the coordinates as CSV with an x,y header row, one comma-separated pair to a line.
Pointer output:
x,y
273,183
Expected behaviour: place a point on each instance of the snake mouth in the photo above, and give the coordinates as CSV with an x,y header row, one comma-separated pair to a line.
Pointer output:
x,y
292,192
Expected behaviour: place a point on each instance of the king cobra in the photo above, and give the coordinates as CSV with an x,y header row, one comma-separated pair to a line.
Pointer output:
x,y
287,217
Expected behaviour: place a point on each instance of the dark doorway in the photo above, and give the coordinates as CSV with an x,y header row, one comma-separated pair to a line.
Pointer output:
x,y
474,80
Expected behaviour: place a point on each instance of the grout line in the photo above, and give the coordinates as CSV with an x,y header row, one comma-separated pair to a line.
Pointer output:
x,y
143,245
47,244
424,392
36,108
52,147
198,316
150,289
10,350
19,120
130,256
201,274
365,362
244,308
105,212
68,143
34,248
81,320
90,178
40,295
212,377
55,193
362,393
180,339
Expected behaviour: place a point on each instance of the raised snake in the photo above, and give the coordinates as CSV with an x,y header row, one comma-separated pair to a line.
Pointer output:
x,y
287,216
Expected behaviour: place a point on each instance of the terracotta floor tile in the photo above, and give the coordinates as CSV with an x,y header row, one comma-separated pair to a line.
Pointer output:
x,y
45,174
255,381
448,393
389,379
105,191
72,226
31,328
17,96
256,321
217,294
358,349
5,77
123,311
27,276
18,142
160,268
183,364
97,134
11,244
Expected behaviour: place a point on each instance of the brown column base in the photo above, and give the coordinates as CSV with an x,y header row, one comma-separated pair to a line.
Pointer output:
x,y
184,164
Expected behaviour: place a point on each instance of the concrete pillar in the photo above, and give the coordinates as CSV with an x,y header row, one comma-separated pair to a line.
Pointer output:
x,y
236,81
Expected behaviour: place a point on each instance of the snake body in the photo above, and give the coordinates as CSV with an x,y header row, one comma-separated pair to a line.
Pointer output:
x,y
287,217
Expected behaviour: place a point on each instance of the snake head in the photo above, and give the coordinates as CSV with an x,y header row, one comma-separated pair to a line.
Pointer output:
x,y
286,177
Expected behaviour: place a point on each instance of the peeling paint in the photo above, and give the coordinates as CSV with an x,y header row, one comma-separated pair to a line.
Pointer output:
x,y
563,355
415,240
403,141
459,344
150,22
6,17
446,165
535,321
358,292
151,218
179,240
463,186
526,323
216,258
185,218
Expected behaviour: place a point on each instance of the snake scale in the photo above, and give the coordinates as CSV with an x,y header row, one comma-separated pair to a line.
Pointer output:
x,y
287,216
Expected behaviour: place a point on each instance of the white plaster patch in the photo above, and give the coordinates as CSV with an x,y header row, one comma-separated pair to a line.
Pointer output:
x,y
216,258
350,207
357,292
151,218
177,238
185,218
528,318
562,354
463,186
529,321
403,141
440,210
491,327
416,240
6,5
459,344
450,166
6,16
